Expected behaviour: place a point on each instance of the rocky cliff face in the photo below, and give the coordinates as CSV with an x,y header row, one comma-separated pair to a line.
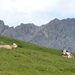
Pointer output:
x,y
2,27
57,33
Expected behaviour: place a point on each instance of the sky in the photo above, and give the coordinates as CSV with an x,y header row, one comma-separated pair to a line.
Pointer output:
x,y
39,12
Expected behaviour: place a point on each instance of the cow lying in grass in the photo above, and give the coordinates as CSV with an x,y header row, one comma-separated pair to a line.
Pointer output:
x,y
67,54
12,46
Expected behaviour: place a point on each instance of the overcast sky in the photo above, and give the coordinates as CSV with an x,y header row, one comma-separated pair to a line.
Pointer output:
x,y
14,12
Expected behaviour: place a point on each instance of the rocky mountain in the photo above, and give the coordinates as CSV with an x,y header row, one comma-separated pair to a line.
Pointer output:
x,y
57,33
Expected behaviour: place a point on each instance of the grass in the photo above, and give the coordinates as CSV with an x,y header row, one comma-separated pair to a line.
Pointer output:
x,y
30,59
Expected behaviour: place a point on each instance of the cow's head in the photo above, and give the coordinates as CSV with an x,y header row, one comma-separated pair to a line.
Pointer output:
x,y
64,52
15,45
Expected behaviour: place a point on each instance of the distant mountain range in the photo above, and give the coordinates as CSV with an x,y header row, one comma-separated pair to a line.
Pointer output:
x,y
59,34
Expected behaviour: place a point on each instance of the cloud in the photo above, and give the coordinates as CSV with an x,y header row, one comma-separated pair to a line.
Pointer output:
x,y
14,12
67,6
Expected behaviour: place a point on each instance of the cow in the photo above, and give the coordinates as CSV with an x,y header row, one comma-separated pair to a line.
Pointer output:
x,y
11,46
67,54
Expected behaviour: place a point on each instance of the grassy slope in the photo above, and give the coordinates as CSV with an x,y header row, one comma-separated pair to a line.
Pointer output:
x,y
30,59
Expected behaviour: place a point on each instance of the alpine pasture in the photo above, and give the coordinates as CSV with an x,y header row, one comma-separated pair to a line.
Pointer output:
x,y
31,59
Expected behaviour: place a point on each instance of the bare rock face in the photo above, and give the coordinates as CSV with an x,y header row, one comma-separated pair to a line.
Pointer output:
x,y
2,26
57,33
26,32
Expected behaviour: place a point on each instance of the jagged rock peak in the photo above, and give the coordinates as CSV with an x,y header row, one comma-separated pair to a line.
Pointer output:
x,y
56,19
22,25
1,22
28,24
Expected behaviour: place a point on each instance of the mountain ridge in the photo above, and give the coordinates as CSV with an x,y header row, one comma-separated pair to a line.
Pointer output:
x,y
57,33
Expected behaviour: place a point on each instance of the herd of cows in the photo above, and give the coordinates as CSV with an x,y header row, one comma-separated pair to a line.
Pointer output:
x,y
65,53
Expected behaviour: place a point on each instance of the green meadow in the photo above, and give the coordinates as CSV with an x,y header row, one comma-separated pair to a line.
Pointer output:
x,y
31,59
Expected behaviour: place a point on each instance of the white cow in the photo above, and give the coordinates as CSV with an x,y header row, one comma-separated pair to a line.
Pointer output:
x,y
12,46
67,54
